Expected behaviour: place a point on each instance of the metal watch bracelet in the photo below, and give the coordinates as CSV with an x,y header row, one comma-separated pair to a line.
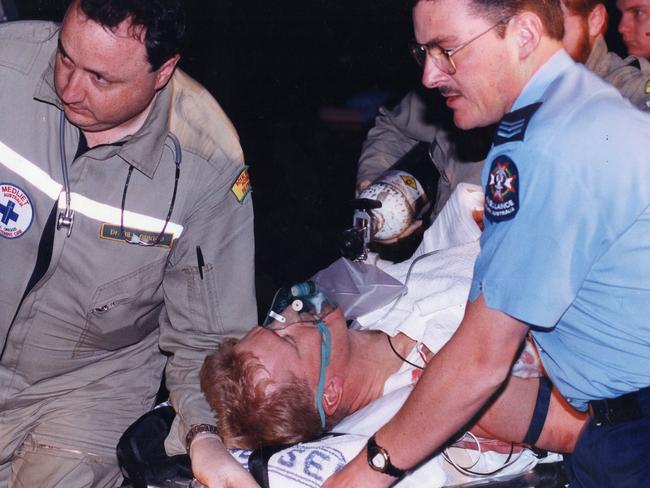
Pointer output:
x,y
199,429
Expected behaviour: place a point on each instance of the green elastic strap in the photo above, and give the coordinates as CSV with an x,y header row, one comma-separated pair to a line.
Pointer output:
x,y
325,349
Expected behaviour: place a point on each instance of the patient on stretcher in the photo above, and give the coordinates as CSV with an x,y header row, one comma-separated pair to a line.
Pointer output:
x,y
263,388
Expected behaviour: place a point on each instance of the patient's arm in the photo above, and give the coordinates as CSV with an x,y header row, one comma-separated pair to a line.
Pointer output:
x,y
509,416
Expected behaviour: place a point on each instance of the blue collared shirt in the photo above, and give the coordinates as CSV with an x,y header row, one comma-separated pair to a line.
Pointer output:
x,y
567,246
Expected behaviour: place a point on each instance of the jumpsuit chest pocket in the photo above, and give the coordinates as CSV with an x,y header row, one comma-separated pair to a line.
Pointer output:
x,y
123,311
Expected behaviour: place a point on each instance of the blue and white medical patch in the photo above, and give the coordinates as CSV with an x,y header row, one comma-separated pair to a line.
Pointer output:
x,y
502,190
513,125
16,211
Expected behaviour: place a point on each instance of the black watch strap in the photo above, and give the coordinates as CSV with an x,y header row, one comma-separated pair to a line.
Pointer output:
x,y
379,460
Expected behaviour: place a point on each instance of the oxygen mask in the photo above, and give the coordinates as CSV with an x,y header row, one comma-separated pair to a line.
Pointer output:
x,y
302,303
299,303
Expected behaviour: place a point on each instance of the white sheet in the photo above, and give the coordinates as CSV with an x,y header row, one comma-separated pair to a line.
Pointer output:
x,y
432,309
438,276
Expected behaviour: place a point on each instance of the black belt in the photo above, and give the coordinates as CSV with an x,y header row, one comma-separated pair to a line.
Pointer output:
x,y
626,408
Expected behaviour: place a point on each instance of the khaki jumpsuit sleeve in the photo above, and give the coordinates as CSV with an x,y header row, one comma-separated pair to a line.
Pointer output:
x,y
631,76
633,83
394,133
205,304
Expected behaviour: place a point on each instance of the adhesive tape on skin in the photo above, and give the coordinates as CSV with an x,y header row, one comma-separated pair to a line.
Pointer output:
x,y
297,305
277,316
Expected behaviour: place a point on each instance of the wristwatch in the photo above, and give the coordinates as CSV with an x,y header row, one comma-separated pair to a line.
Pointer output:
x,y
198,429
379,460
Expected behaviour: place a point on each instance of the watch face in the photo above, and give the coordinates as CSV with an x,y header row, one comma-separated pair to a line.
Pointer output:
x,y
377,460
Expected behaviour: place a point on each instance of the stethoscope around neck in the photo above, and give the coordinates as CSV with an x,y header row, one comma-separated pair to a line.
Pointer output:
x,y
66,217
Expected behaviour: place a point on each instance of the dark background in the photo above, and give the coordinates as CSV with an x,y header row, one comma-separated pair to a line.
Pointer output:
x,y
301,80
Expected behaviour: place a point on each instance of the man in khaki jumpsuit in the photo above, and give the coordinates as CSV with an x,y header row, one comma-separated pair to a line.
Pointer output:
x,y
146,260
413,119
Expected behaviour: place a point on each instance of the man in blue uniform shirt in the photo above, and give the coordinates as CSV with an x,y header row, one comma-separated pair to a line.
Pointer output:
x,y
566,249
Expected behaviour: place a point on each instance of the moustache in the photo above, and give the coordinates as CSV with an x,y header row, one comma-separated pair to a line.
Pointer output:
x,y
446,91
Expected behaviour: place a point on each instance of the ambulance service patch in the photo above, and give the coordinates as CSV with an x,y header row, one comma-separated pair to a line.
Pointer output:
x,y
16,211
242,186
502,190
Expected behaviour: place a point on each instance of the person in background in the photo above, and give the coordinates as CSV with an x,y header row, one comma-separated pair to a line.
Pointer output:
x,y
126,231
585,24
635,27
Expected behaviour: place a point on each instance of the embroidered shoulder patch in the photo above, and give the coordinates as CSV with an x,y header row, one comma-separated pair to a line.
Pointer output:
x,y
502,190
647,88
513,125
242,186
16,211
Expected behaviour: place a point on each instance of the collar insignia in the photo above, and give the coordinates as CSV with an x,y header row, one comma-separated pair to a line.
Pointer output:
x,y
513,125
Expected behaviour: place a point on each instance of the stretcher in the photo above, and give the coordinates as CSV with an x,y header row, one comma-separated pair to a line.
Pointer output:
x,y
145,464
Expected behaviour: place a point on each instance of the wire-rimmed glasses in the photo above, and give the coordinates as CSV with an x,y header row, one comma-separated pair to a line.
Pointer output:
x,y
443,58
